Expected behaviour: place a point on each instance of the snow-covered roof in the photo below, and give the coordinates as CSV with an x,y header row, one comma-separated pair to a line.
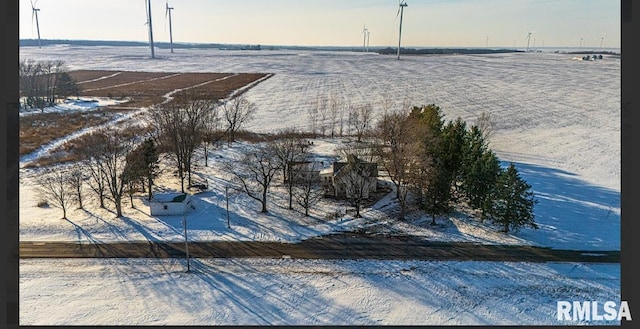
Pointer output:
x,y
169,197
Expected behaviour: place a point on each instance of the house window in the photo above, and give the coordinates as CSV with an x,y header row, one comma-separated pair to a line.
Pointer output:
x,y
165,207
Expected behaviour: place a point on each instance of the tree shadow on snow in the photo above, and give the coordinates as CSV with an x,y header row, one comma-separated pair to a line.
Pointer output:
x,y
571,213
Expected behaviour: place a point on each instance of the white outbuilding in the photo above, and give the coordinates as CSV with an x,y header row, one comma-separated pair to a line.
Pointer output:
x,y
169,204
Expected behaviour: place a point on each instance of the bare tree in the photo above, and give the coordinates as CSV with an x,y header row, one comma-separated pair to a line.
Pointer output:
x,y
212,132
334,112
289,149
386,104
51,72
29,71
117,146
41,83
77,178
341,117
485,123
90,149
141,169
180,126
313,120
399,152
255,172
360,119
358,178
321,104
366,151
54,187
307,191
236,113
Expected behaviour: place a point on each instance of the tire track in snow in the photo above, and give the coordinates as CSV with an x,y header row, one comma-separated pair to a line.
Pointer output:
x,y
47,148
134,82
100,78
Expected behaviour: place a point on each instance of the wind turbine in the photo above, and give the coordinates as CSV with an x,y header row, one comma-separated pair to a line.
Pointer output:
x,y
529,39
365,34
148,3
581,40
368,34
601,41
401,4
34,13
168,12
487,41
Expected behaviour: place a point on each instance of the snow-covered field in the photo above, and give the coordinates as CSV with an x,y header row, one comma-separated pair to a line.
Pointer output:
x,y
558,119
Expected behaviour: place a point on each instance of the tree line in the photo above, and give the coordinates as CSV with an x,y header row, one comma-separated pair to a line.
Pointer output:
x,y
433,164
43,83
120,161
436,164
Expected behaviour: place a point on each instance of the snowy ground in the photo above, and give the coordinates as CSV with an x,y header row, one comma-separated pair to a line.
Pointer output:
x,y
557,118
304,292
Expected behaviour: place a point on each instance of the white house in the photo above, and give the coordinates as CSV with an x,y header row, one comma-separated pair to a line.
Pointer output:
x,y
169,204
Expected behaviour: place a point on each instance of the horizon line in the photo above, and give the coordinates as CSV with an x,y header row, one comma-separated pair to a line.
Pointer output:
x,y
146,43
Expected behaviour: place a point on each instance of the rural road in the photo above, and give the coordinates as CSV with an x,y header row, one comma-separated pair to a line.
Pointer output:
x,y
339,246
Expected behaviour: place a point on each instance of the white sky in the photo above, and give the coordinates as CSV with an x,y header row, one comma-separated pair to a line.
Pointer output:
x,y
426,23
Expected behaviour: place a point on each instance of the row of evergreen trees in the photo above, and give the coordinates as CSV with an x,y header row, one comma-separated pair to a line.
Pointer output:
x,y
436,164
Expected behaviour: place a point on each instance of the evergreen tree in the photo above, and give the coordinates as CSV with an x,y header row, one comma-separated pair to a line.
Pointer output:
x,y
436,192
431,179
512,201
430,116
480,169
450,151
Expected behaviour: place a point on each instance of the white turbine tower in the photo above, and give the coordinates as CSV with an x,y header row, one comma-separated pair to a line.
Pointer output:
x,y
168,12
602,41
401,4
34,13
368,36
364,40
529,39
148,5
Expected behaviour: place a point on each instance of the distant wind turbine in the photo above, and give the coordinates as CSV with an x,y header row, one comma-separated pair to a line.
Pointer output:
x,y
487,41
148,3
365,34
581,40
401,4
368,37
529,39
602,41
168,12
34,13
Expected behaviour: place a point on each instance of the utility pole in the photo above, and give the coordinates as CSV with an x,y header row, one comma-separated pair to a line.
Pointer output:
x,y
226,194
186,240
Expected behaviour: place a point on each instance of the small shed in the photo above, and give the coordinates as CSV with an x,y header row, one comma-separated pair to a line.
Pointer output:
x,y
169,204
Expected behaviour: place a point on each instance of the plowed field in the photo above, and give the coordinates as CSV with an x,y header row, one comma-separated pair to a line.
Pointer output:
x,y
142,89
